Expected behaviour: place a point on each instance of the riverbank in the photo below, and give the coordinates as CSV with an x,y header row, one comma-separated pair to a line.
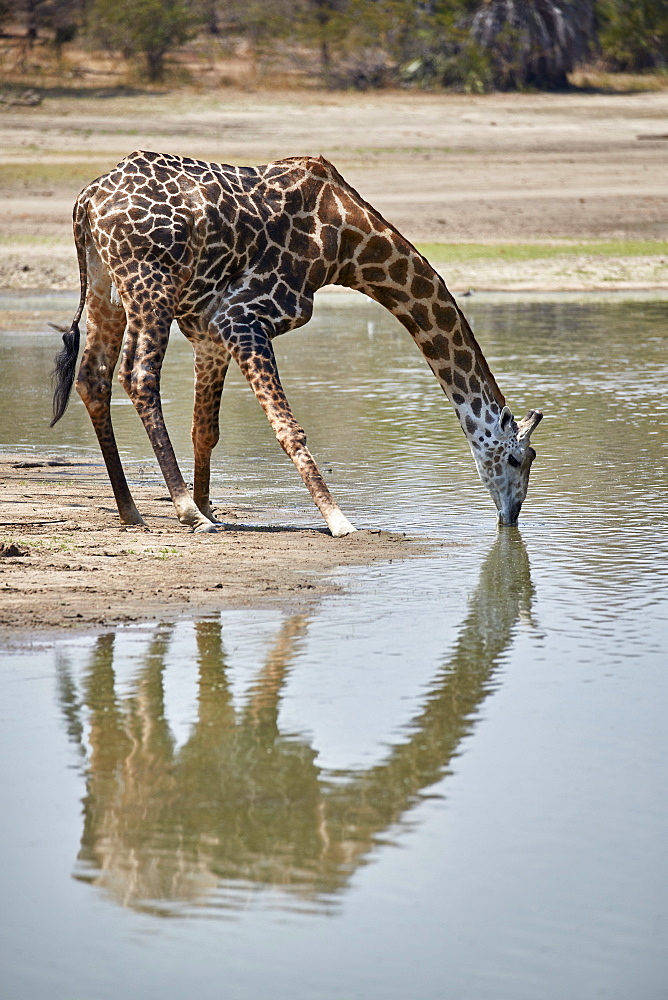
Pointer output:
x,y
67,562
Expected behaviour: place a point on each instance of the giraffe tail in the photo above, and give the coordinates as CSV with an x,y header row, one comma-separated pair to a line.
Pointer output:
x,y
65,362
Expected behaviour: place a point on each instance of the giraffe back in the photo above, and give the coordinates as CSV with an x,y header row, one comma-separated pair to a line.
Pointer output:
x,y
208,224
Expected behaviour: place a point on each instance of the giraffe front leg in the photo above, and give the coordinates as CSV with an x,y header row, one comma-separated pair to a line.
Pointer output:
x,y
211,364
262,374
293,442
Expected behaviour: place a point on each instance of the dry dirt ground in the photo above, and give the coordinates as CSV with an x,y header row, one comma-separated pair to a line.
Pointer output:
x,y
67,562
556,169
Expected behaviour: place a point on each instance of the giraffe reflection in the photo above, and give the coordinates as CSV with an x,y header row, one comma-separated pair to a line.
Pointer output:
x,y
241,805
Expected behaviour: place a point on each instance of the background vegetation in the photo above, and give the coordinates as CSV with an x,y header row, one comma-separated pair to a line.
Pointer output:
x,y
471,45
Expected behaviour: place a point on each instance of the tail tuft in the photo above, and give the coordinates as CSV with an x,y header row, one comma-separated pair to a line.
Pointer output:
x,y
64,371
62,375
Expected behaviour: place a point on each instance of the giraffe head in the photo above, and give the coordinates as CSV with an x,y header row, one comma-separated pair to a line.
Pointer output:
x,y
504,461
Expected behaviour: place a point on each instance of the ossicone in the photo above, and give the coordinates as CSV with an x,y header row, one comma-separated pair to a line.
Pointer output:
x,y
528,424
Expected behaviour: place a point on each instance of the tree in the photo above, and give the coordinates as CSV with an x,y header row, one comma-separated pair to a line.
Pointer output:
x,y
370,43
533,42
634,33
149,28
6,11
433,46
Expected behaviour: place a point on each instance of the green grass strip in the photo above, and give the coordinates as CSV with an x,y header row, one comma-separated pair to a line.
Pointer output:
x,y
453,253
35,240
74,172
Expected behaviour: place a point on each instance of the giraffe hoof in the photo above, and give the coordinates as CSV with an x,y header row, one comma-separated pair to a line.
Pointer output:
x,y
206,529
340,526
133,519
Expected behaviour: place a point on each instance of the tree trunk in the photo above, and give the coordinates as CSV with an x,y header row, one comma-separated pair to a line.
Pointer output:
x,y
325,61
155,65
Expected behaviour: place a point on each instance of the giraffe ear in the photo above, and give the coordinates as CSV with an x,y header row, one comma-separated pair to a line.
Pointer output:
x,y
528,425
505,422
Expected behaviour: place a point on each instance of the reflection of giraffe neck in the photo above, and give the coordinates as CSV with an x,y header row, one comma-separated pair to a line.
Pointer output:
x,y
386,267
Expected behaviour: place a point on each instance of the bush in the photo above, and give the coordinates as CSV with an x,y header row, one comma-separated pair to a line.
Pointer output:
x,y
634,34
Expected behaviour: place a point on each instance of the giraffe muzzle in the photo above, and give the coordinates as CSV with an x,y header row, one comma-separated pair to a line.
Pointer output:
x,y
508,517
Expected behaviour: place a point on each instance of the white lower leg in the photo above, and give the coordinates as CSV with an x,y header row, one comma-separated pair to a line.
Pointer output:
x,y
189,513
205,508
338,523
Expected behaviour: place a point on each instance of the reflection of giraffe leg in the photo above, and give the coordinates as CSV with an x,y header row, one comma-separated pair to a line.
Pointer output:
x,y
150,303
105,324
108,738
211,364
215,707
267,687
149,721
251,348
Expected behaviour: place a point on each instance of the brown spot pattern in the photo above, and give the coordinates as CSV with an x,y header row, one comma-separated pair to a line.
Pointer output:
x,y
398,271
446,317
463,360
421,288
376,251
420,314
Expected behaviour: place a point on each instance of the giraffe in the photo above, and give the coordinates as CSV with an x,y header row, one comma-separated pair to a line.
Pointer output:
x,y
235,256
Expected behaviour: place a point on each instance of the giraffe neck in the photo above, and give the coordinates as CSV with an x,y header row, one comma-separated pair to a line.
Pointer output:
x,y
388,269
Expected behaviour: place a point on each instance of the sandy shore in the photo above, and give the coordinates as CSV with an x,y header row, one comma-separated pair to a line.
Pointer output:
x,y
67,562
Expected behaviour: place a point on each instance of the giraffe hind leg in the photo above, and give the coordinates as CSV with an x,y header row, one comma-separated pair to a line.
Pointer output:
x,y
105,324
149,320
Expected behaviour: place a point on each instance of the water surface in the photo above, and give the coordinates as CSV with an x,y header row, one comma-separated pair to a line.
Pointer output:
x,y
448,780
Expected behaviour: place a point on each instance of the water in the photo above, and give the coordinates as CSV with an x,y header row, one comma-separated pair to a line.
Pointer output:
x,y
448,780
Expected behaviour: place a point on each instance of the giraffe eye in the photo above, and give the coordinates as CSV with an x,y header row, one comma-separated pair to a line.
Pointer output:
x,y
513,461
